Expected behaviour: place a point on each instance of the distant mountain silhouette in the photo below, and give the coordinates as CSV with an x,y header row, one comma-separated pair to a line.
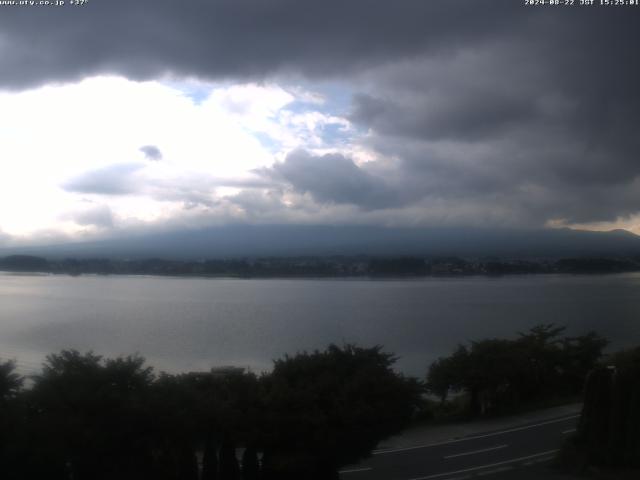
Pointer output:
x,y
289,240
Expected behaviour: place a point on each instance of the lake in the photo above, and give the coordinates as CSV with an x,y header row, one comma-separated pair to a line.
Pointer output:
x,y
183,324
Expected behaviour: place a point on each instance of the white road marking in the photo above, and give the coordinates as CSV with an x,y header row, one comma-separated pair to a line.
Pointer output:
x,y
355,470
569,431
482,467
475,437
476,451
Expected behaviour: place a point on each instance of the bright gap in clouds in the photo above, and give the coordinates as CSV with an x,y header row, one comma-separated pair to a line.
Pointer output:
x,y
107,152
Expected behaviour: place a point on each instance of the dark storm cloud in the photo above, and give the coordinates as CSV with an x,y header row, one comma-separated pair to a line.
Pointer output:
x,y
333,178
544,120
151,152
117,179
240,38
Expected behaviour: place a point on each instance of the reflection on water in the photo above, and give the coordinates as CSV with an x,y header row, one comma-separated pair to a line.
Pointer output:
x,y
193,323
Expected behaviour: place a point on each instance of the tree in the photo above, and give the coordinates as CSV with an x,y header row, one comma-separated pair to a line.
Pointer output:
x,y
579,356
609,427
91,415
330,408
229,468
492,372
447,374
10,381
250,464
87,417
206,411
11,416
502,374
209,461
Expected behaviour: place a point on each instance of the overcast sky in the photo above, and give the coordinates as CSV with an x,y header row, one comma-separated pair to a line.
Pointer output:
x,y
128,115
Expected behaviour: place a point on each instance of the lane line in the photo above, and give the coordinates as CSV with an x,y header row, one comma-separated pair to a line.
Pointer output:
x,y
569,431
482,467
475,437
355,470
476,451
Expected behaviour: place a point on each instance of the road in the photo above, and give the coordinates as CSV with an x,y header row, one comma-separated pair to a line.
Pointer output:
x,y
490,453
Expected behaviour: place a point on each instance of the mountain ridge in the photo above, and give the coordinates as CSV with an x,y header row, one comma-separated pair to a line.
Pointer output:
x,y
319,240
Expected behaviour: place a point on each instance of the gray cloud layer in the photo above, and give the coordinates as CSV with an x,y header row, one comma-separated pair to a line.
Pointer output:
x,y
132,179
93,215
117,179
489,107
336,179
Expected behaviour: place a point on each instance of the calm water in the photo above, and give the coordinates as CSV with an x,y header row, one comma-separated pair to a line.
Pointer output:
x,y
189,323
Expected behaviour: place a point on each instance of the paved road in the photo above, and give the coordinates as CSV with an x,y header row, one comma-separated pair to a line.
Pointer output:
x,y
490,453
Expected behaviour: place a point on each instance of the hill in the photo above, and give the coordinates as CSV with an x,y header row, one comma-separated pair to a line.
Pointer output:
x,y
288,240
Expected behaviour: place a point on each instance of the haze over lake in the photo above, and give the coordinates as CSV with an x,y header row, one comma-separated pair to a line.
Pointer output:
x,y
182,324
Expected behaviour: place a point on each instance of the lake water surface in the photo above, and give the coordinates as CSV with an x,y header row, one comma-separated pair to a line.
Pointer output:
x,y
182,324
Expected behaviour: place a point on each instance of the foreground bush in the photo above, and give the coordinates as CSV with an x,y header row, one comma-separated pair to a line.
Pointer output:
x,y
90,418
329,409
